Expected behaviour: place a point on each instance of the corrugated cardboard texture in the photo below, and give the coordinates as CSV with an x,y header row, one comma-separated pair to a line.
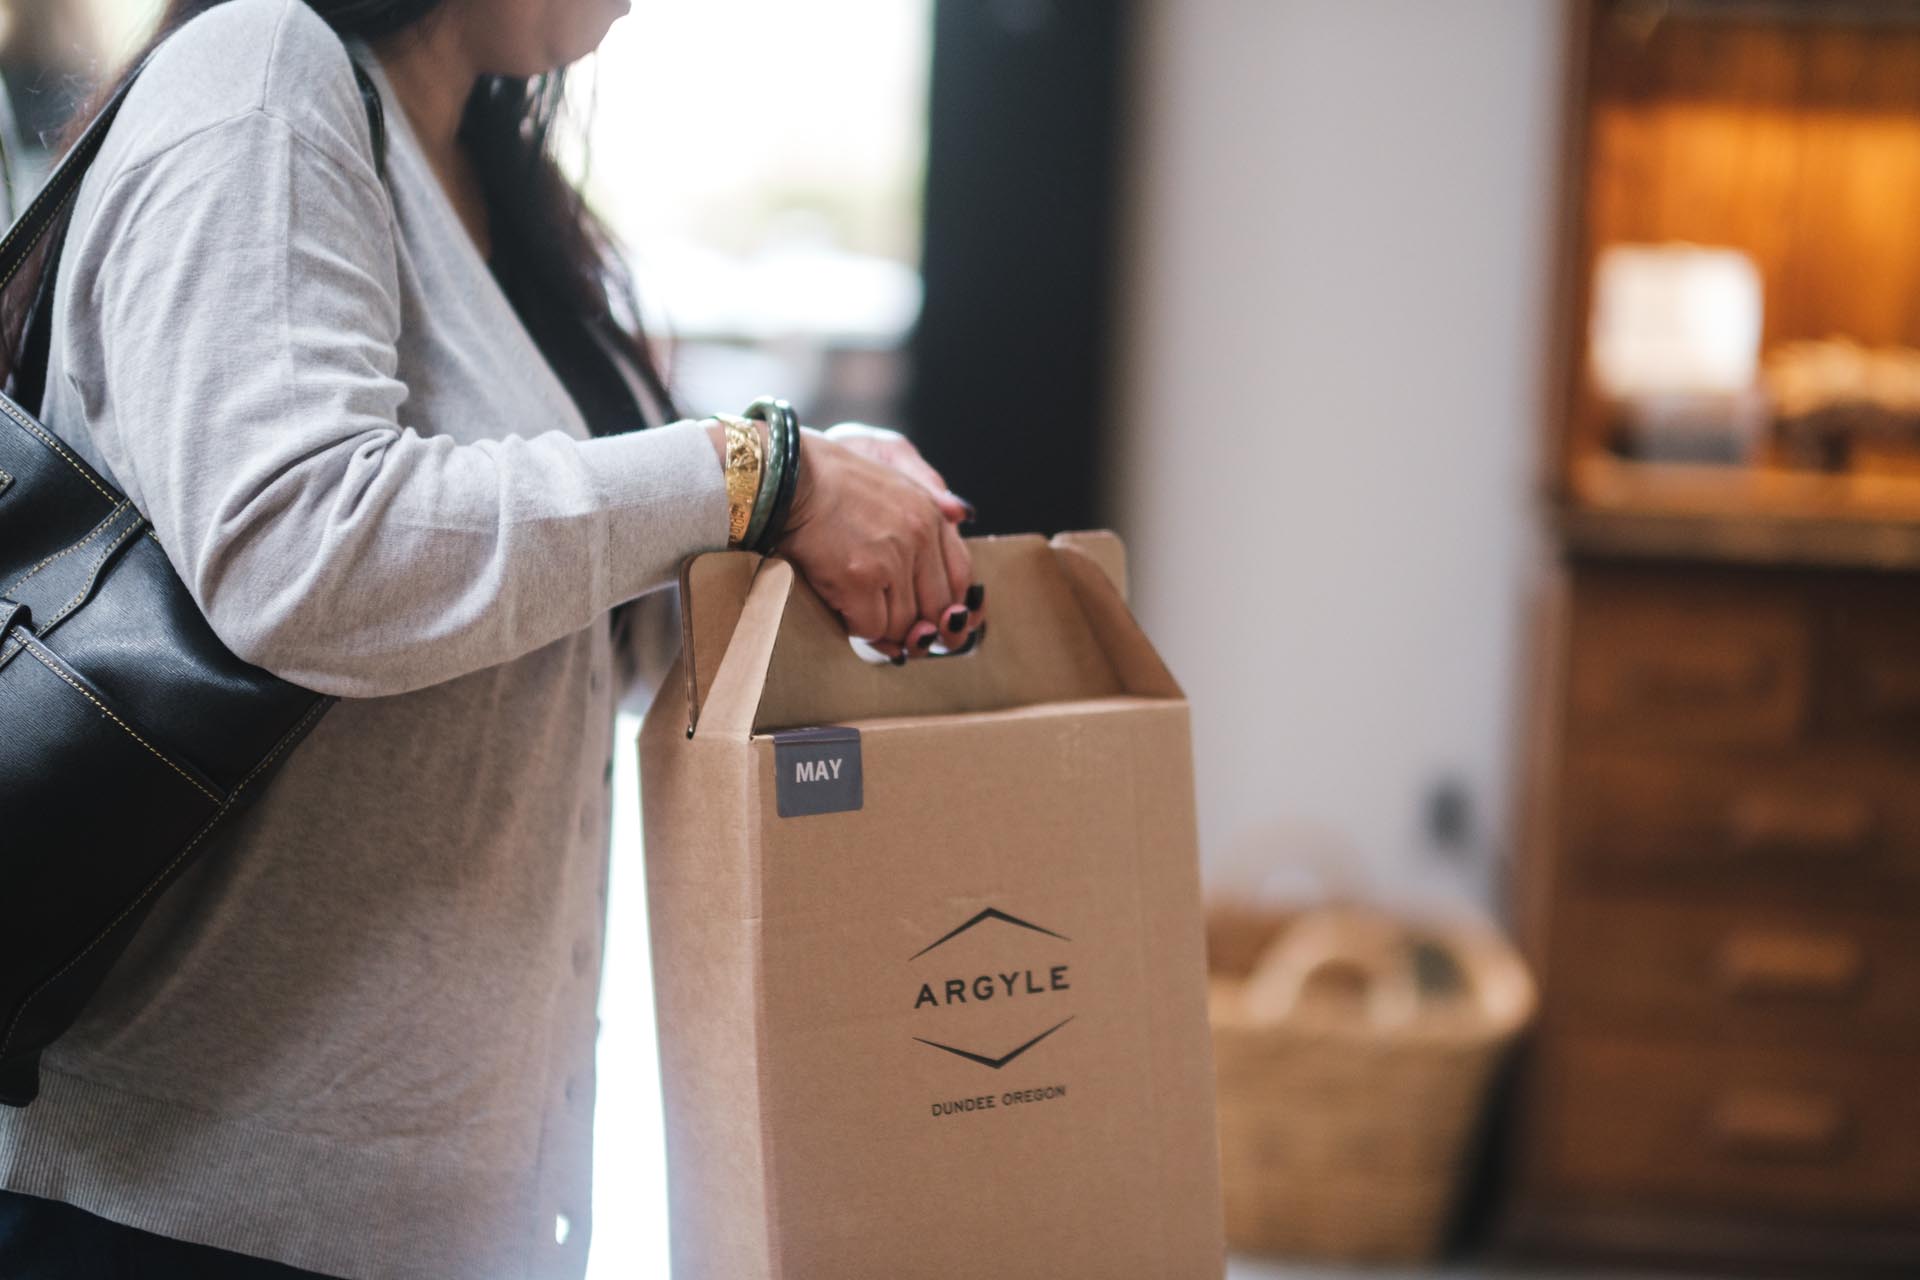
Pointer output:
x,y
960,1031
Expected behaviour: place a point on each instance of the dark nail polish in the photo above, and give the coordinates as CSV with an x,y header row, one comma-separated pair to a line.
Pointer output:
x,y
975,594
957,619
898,659
925,641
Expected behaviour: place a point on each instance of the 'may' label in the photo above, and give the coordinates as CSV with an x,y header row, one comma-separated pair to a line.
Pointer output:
x,y
817,770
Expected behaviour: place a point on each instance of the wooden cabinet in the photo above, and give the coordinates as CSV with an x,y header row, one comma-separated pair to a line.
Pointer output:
x,y
1725,911
1718,869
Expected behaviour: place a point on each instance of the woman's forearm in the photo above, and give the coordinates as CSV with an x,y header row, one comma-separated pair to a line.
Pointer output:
x,y
264,432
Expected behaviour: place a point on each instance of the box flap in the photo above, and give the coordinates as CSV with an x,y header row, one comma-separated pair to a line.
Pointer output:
x,y
764,651
713,590
1104,548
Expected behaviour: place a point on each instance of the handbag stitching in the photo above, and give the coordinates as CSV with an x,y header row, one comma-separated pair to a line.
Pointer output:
x,y
89,146
38,225
112,518
292,735
7,407
93,574
34,650
8,645
26,221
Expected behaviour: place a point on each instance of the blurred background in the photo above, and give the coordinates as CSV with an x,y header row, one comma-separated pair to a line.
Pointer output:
x,y
1512,408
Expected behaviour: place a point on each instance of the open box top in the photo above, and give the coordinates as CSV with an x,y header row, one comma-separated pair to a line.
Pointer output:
x,y
762,651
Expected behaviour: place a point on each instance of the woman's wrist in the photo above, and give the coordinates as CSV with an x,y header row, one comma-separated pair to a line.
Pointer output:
x,y
760,459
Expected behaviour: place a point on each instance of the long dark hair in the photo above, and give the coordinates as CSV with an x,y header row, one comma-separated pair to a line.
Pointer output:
x,y
554,258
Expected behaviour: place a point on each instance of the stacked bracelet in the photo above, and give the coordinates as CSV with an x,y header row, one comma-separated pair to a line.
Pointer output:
x,y
780,477
746,476
769,490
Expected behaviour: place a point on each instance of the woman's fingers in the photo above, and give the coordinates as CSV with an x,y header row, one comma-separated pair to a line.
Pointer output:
x,y
865,615
958,560
976,601
876,536
953,508
956,619
901,613
933,590
880,575
943,573
898,452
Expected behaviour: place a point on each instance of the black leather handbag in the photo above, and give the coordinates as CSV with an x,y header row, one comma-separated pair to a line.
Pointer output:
x,y
128,732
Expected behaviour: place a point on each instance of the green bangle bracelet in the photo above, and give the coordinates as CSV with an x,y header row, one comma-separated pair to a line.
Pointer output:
x,y
783,424
776,459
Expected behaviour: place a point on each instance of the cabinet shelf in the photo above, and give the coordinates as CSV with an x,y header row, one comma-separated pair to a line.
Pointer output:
x,y
1742,515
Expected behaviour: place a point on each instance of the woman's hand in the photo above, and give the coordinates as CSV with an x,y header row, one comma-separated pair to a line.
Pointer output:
x,y
894,449
875,530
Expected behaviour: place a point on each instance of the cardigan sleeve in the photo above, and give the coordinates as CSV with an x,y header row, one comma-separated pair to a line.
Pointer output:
x,y
244,282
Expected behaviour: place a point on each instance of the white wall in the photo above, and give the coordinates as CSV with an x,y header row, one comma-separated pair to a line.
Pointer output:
x,y
1330,391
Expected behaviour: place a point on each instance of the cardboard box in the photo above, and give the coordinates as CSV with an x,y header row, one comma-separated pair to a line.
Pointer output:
x,y
928,946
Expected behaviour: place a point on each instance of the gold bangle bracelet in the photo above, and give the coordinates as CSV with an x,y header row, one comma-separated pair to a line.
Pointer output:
x,y
746,463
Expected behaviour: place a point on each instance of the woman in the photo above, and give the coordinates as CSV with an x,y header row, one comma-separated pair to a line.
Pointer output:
x,y
362,406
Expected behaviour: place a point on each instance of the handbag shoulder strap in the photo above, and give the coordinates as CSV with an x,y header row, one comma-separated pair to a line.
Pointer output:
x,y
43,212
60,185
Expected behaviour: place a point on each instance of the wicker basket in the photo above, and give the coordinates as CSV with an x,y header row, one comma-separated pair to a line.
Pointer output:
x,y
1354,1054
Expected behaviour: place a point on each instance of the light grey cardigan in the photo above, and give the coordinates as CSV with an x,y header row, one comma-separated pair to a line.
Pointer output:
x,y
358,1037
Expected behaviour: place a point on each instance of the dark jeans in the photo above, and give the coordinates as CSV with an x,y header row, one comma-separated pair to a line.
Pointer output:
x,y
48,1240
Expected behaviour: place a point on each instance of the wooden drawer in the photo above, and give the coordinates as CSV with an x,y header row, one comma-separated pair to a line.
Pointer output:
x,y
1871,666
1793,1131
1673,659
1779,974
1825,819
